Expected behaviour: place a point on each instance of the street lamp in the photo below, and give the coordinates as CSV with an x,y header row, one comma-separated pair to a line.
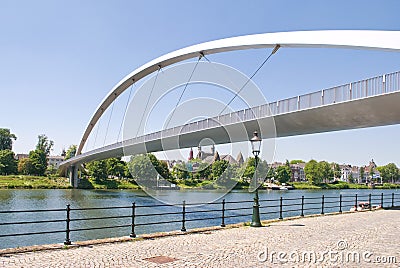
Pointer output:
x,y
255,146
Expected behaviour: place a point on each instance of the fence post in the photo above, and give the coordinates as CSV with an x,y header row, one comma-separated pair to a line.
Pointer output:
x,y
350,90
381,200
355,204
223,213
369,201
183,229
322,204
67,230
280,209
302,206
133,220
392,199
340,203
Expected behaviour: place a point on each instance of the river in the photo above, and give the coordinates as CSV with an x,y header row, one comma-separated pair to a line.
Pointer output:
x,y
19,199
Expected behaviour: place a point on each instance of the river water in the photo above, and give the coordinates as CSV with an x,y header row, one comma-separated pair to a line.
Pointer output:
x,y
19,199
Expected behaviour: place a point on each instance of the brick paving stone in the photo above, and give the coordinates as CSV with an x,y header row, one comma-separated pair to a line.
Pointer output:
x,y
337,240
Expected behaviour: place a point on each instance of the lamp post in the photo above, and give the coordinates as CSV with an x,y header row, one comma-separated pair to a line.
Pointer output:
x,y
255,146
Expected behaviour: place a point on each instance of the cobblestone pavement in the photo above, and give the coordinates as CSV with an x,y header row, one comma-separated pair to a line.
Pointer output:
x,y
367,239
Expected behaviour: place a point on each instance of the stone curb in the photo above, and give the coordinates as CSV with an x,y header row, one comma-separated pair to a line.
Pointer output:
x,y
60,246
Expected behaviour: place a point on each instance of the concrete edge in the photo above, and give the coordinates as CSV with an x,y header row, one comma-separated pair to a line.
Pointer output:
x,y
61,246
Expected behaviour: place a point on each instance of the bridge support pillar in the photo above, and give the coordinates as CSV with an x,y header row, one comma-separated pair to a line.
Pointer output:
x,y
73,176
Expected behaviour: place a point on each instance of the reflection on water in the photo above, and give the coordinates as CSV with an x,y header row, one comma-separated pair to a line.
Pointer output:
x,y
13,200
6,196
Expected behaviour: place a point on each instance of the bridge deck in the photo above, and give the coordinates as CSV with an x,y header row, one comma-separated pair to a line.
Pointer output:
x,y
367,103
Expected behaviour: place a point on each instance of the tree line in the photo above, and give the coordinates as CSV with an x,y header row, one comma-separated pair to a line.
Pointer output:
x,y
35,164
192,172
148,167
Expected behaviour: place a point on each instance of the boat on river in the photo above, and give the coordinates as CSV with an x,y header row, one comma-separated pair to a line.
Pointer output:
x,y
283,187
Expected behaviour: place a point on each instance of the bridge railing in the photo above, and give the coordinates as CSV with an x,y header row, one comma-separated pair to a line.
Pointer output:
x,y
361,89
135,219
365,88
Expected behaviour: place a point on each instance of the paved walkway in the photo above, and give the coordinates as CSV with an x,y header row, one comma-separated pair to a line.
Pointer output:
x,y
363,239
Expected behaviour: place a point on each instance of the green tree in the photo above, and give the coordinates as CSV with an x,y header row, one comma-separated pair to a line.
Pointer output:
x,y
24,166
227,178
283,174
51,170
160,166
38,162
218,167
163,169
8,164
270,173
337,172
392,172
44,144
389,172
287,163
180,172
296,161
262,169
97,170
143,170
115,167
351,178
325,171
127,173
71,152
204,171
311,171
6,139
289,169
248,169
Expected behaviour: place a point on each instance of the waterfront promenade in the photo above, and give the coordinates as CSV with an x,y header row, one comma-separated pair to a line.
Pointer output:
x,y
361,239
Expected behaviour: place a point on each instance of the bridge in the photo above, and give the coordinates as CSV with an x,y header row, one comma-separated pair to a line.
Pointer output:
x,y
367,103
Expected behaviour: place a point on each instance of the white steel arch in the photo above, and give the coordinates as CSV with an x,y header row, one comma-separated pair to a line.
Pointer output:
x,y
356,39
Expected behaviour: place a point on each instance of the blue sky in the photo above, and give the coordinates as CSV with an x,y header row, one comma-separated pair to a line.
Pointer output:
x,y
58,60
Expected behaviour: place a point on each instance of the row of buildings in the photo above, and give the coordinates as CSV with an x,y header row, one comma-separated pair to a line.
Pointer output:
x,y
348,173
53,160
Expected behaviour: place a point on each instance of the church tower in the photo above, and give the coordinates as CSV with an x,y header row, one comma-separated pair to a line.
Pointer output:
x,y
216,157
199,154
190,154
240,159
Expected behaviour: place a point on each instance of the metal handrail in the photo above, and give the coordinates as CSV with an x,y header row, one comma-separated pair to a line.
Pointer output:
x,y
226,211
374,86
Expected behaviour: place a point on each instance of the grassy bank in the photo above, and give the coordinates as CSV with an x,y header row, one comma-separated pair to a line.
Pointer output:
x,y
210,184
108,184
38,182
33,182
340,185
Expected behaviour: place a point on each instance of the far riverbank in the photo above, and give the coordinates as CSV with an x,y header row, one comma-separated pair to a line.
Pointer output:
x,y
38,182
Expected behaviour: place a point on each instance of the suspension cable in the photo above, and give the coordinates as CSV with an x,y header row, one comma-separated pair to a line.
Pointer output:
x,y
204,56
126,107
148,100
183,91
108,124
251,77
95,136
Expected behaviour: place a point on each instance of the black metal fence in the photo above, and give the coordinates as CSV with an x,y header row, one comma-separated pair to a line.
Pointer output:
x,y
149,218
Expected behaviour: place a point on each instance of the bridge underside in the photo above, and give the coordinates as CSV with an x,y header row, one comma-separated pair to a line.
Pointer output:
x,y
361,113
